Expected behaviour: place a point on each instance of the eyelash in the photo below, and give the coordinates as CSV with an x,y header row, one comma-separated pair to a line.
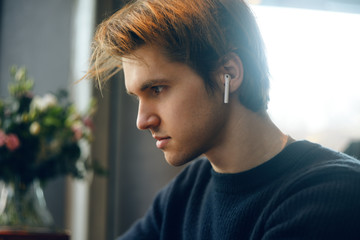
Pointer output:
x,y
157,89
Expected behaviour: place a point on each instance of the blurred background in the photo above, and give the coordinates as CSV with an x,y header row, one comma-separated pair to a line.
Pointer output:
x,y
314,58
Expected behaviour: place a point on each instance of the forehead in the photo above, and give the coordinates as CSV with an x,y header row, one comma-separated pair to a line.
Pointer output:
x,y
148,63
143,60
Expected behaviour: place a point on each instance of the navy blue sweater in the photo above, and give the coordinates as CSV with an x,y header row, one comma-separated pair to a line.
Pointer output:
x,y
305,192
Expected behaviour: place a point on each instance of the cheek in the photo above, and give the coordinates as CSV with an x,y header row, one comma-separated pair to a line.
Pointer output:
x,y
193,114
186,108
190,109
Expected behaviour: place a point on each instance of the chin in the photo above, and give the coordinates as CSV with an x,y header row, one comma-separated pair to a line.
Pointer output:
x,y
179,159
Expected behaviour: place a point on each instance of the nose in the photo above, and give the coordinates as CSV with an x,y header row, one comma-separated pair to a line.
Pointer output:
x,y
146,118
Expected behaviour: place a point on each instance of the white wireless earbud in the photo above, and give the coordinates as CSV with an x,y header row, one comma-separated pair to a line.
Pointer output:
x,y
227,88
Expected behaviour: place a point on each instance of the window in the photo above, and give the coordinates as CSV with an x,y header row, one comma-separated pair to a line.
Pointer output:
x,y
314,61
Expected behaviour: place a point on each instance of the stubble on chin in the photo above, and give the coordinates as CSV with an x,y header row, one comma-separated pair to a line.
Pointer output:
x,y
180,159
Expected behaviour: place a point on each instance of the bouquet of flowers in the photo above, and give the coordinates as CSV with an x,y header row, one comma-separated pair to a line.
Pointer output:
x,y
42,137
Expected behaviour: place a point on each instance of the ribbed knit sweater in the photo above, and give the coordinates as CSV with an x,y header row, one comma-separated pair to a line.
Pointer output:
x,y
305,192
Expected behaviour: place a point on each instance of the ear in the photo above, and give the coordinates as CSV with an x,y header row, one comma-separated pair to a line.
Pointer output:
x,y
232,64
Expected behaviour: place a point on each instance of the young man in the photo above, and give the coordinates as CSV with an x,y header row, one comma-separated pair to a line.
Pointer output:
x,y
200,75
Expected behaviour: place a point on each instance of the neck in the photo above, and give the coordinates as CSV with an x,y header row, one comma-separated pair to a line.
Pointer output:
x,y
249,140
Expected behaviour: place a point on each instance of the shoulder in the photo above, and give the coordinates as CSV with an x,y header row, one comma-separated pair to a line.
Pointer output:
x,y
312,159
325,164
323,169
320,196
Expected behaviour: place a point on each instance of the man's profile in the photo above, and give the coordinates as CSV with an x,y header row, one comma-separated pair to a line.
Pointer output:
x,y
199,72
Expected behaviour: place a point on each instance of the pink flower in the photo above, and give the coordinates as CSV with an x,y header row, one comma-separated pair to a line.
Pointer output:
x,y
2,138
12,142
88,122
77,130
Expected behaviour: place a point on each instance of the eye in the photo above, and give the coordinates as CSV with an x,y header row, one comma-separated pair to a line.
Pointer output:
x,y
157,89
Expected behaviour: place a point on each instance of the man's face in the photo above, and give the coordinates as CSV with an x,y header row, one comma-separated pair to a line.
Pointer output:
x,y
184,118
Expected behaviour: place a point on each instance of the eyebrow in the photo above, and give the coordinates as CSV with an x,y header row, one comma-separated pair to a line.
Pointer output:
x,y
149,84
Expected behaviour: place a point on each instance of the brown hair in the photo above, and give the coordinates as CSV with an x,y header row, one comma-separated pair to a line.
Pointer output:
x,y
199,33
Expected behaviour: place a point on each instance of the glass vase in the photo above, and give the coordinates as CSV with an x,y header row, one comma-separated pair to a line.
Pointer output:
x,y
23,207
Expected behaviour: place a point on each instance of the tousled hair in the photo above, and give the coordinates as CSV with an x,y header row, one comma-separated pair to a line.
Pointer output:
x,y
199,33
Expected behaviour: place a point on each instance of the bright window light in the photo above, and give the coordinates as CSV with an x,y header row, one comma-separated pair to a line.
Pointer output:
x,y
314,61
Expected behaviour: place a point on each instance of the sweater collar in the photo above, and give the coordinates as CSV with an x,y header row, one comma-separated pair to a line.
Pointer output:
x,y
253,179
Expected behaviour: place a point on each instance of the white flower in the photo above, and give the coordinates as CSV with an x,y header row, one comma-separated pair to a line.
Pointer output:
x,y
35,128
20,74
42,103
49,100
37,104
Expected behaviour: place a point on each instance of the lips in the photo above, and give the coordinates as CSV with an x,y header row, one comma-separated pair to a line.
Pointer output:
x,y
162,141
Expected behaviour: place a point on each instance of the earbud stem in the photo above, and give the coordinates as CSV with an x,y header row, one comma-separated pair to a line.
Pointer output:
x,y
227,88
